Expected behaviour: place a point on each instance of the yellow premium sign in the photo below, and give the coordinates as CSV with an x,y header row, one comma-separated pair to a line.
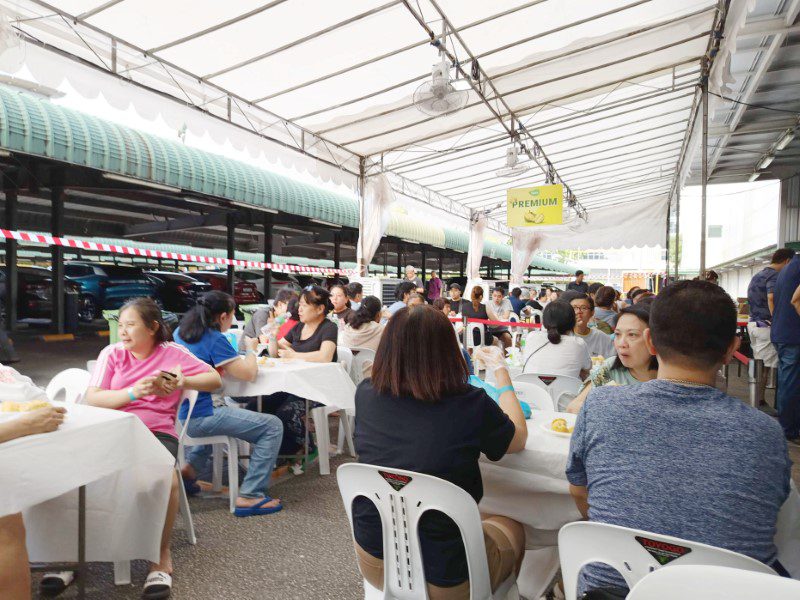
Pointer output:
x,y
540,205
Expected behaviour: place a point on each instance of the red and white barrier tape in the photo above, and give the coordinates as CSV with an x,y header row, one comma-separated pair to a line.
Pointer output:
x,y
499,323
67,242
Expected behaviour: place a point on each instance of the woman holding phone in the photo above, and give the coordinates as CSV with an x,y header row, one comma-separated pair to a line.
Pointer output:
x,y
202,332
144,374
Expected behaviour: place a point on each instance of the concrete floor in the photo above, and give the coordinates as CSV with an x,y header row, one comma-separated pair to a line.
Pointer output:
x,y
303,552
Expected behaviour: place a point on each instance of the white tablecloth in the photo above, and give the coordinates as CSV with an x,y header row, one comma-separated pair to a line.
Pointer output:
x,y
326,383
127,473
531,488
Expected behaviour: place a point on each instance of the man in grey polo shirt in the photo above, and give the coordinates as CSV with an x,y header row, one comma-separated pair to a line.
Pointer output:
x,y
675,455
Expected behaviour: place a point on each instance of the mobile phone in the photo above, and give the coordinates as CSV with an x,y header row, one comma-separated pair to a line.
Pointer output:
x,y
168,375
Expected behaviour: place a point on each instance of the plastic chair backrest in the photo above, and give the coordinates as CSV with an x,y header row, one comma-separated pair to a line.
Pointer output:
x,y
556,385
191,396
636,553
345,358
535,315
536,397
73,382
90,364
401,498
362,364
703,582
471,328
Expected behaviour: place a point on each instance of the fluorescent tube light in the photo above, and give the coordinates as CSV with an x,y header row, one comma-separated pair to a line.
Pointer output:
x,y
785,140
753,177
765,162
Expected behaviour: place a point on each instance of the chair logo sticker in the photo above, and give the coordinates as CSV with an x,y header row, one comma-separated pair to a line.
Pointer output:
x,y
663,552
535,206
398,482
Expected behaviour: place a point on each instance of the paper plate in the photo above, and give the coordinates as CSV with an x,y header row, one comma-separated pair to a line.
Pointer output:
x,y
569,418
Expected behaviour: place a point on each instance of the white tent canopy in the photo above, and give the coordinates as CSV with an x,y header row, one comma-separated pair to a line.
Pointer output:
x,y
602,90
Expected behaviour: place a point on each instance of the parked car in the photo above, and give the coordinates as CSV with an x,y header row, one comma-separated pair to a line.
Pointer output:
x,y
244,292
178,292
35,292
108,287
278,281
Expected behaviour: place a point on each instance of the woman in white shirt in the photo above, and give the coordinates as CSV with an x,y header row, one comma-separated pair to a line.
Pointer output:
x,y
553,351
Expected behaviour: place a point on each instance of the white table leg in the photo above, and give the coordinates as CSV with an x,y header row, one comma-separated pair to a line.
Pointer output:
x,y
122,572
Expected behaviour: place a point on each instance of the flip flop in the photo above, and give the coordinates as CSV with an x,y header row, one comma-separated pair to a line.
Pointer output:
x,y
52,584
257,509
157,586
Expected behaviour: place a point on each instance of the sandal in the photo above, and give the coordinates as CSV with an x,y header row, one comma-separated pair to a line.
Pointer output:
x,y
157,586
52,584
257,509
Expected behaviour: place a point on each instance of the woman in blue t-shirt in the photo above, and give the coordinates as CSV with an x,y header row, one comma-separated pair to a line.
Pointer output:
x,y
201,331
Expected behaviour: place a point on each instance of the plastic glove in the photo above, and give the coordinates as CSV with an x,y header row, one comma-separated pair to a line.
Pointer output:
x,y
491,356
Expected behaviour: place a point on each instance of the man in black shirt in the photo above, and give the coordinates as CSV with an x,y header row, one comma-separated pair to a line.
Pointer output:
x,y
455,298
579,285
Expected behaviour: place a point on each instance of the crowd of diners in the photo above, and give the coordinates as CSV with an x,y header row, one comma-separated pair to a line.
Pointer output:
x,y
656,446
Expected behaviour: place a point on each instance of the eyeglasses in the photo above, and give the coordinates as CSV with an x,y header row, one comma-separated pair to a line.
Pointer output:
x,y
582,308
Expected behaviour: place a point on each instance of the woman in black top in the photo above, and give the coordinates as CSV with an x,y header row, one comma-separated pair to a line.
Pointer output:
x,y
313,339
418,413
476,310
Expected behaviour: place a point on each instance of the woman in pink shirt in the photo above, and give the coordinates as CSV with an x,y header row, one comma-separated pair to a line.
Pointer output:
x,y
144,374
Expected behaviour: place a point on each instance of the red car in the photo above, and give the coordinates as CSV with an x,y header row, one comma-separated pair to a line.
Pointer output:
x,y
244,292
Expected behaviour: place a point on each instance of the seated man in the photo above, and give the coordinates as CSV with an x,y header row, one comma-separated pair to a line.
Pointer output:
x,y
402,296
675,455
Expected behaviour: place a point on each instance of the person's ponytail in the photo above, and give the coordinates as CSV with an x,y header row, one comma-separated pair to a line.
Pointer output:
x,y
558,319
203,315
368,311
553,336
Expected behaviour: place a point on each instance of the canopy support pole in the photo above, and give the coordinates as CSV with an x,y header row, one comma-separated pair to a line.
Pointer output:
x,y
705,169
11,189
337,249
230,231
669,215
677,232
461,266
423,263
361,270
57,252
385,259
399,260
268,223
441,264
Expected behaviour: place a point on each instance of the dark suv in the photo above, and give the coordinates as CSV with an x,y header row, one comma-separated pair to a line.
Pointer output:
x,y
105,286
35,292
178,292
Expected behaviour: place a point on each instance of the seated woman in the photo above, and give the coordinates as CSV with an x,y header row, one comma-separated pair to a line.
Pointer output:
x,y
313,339
364,329
201,332
15,573
605,312
418,413
263,315
475,309
553,351
633,363
144,374
341,305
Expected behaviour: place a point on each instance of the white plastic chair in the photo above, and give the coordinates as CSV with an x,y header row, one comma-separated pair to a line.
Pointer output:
x,y
536,397
562,388
516,333
535,315
90,364
72,382
362,362
702,582
122,569
345,358
219,443
586,542
400,510
471,328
